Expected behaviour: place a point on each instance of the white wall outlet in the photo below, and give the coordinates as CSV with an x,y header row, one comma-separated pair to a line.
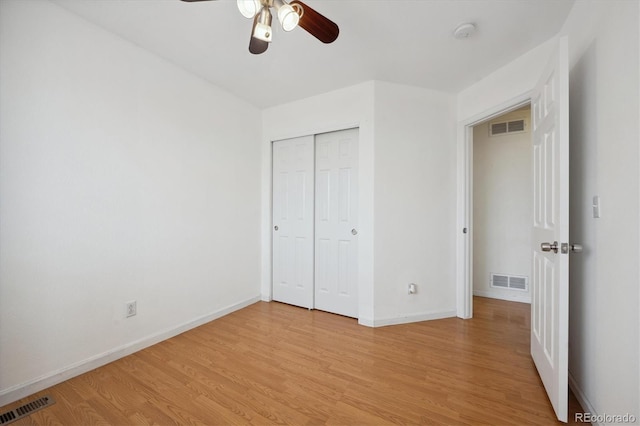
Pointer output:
x,y
131,309
413,289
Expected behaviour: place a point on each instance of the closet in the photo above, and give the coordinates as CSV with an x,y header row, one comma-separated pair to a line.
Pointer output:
x,y
315,210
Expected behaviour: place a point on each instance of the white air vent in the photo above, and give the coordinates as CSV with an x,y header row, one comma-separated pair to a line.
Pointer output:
x,y
508,127
509,282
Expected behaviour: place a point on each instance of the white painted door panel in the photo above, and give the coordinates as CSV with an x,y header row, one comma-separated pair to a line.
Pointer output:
x,y
336,279
292,232
550,274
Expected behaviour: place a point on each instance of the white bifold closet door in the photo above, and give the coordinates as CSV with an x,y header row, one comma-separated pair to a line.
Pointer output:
x,y
315,209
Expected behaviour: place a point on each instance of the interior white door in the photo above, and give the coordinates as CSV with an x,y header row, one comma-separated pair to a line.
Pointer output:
x,y
336,277
550,283
293,179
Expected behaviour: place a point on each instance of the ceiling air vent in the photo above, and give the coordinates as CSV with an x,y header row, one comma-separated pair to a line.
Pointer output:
x,y
508,127
509,282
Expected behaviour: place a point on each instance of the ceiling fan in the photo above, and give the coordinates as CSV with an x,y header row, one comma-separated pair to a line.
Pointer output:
x,y
290,16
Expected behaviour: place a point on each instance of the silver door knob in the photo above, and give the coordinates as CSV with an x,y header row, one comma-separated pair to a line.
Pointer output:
x,y
275,228
549,247
354,231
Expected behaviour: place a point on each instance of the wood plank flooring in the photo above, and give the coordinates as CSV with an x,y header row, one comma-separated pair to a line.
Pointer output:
x,y
272,363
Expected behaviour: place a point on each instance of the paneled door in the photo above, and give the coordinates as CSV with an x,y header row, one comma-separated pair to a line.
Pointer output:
x,y
550,283
292,233
336,233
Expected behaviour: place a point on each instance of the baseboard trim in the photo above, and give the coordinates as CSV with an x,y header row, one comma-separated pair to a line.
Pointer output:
x,y
22,390
521,298
581,397
406,319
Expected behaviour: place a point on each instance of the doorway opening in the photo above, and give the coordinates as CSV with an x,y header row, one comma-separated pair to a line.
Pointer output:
x,y
466,220
501,206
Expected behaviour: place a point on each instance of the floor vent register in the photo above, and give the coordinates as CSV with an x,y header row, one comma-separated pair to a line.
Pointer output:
x,y
26,409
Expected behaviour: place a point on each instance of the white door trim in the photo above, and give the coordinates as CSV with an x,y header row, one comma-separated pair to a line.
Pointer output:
x,y
464,244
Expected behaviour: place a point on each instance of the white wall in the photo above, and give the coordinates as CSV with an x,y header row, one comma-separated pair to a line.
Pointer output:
x,y
414,203
502,206
505,84
340,109
604,330
121,178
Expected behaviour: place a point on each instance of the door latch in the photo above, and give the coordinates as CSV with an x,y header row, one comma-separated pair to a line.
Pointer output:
x,y
573,248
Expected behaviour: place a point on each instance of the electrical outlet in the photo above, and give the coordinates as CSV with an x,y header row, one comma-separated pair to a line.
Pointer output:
x,y
131,309
413,288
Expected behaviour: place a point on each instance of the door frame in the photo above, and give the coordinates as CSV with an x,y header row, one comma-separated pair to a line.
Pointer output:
x,y
464,242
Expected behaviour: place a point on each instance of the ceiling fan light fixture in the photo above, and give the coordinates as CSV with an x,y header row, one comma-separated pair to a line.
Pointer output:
x,y
249,8
287,15
262,26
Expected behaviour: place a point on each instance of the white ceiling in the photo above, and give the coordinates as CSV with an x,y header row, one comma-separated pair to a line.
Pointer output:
x,y
402,41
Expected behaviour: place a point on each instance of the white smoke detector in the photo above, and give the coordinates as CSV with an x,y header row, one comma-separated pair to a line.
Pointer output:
x,y
464,31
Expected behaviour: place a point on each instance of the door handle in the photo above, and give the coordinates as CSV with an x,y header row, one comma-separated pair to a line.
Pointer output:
x,y
354,231
275,228
564,247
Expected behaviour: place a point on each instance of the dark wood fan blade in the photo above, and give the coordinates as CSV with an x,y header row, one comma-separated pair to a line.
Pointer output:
x,y
317,25
257,46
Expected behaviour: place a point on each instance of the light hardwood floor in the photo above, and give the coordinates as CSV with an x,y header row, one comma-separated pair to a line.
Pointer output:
x,y
273,363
